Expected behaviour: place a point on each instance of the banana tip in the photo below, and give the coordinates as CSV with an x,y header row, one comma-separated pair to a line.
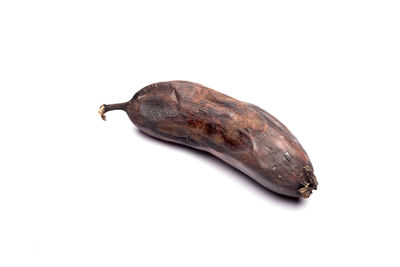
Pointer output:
x,y
309,184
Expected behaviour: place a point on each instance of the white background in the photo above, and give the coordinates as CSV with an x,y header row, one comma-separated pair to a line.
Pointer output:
x,y
78,191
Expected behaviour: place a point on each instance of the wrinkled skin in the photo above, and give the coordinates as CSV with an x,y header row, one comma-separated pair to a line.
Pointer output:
x,y
241,134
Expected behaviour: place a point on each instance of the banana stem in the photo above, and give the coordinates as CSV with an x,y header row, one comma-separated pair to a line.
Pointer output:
x,y
105,108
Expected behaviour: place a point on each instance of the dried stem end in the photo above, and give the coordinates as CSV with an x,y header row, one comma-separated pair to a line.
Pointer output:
x,y
310,182
102,111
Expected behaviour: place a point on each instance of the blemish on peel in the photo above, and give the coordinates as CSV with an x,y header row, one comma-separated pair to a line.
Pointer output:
x,y
287,156
174,97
